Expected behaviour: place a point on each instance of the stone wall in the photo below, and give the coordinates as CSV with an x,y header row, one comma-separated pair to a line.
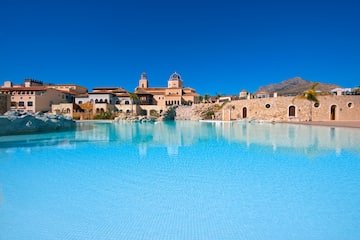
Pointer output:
x,y
280,109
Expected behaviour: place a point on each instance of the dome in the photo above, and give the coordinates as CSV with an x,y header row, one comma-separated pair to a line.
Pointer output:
x,y
175,76
143,75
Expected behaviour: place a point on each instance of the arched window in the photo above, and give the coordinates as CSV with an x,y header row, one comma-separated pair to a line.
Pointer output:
x,y
292,111
244,112
96,100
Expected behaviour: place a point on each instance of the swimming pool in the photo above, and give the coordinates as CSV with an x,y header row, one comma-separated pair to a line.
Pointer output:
x,y
181,180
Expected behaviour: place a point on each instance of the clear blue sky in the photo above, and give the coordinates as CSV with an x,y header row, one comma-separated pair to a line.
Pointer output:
x,y
217,46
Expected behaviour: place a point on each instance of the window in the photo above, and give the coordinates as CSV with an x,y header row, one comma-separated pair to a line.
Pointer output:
x,y
317,105
21,104
30,104
13,104
350,105
267,105
292,111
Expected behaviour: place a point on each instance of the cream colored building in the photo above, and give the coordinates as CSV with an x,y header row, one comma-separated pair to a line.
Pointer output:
x,y
33,99
107,99
34,96
70,88
174,94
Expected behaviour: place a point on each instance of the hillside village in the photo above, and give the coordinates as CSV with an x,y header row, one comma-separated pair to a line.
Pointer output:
x,y
277,102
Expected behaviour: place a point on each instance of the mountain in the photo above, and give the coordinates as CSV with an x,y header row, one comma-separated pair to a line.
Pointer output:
x,y
295,86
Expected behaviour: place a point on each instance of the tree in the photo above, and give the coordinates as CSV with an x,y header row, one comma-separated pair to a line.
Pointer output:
x,y
206,97
133,97
357,91
310,95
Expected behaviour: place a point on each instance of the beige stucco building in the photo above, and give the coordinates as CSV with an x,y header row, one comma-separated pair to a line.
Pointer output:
x,y
174,94
34,96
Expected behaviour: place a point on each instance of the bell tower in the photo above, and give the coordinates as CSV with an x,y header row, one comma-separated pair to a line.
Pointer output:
x,y
175,81
143,82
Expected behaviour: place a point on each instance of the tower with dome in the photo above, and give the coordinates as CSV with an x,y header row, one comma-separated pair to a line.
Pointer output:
x,y
174,94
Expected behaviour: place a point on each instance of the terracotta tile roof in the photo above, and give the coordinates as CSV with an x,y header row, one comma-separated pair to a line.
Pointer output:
x,y
33,88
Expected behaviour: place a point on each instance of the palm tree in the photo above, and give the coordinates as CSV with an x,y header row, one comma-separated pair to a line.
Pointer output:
x,y
133,97
311,95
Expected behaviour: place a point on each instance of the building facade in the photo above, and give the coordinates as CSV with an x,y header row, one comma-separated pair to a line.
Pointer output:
x,y
174,94
287,109
34,96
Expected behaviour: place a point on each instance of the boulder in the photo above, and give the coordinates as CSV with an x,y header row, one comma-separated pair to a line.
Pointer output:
x,y
14,122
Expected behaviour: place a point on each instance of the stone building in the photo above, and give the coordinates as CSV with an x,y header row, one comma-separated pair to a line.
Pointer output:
x,y
329,108
174,94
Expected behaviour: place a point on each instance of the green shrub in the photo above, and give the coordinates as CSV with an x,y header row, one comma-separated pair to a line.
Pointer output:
x,y
209,114
103,116
154,113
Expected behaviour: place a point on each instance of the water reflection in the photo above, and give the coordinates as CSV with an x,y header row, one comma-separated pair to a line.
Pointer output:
x,y
185,133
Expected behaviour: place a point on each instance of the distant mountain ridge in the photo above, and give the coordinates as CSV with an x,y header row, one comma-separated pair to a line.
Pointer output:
x,y
295,86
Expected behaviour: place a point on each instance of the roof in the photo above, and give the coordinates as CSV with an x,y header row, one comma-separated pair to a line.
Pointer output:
x,y
105,88
175,76
33,88
262,92
94,93
152,91
122,94
191,94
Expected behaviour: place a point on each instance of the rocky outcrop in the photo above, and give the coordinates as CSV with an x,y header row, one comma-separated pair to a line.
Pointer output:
x,y
13,122
127,118
199,112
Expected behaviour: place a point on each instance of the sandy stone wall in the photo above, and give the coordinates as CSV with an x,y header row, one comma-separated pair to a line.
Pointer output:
x,y
338,108
278,109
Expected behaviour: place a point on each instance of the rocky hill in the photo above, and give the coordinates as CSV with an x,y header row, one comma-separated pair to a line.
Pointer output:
x,y
295,86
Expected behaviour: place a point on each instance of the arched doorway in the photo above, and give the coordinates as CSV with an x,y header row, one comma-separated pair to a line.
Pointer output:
x,y
333,112
244,112
292,111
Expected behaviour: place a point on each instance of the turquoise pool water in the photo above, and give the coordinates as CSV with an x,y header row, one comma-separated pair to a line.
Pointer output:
x,y
181,180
